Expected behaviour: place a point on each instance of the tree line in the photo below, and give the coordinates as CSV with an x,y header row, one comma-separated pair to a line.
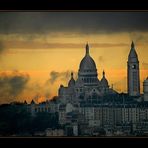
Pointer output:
x,y
16,120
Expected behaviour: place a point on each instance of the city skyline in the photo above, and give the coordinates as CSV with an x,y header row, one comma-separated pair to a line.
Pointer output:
x,y
39,53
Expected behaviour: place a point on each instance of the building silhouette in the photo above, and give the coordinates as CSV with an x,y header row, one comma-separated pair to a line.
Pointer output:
x,y
87,87
133,78
88,105
145,89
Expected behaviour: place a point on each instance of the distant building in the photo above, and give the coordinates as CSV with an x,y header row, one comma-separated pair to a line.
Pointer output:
x,y
145,89
44,107
75,129
54,132
133,78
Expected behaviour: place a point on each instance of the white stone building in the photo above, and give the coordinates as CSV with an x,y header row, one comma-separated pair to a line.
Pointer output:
x,y
87,87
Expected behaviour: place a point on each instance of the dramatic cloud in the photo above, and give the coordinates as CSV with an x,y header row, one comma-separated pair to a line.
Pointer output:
x,y
44,45
101,59
64,76
86,22
121,85
35,91
12,85
53,76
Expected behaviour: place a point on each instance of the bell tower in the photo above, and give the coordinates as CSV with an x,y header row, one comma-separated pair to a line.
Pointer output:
x,y
133,78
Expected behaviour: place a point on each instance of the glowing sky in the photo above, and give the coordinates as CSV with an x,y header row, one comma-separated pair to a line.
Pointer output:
x,y
38,50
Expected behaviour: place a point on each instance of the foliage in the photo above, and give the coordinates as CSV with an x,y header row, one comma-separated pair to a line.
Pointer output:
x,y
16,120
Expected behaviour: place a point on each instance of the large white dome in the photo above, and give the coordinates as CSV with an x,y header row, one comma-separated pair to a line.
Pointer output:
x,y
87,64
87,70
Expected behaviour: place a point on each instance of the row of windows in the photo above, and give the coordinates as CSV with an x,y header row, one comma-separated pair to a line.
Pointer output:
x,y
88,71
42,109
89,80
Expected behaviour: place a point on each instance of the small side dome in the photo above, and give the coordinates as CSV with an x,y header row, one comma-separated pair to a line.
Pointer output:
x,y
104,81
61,86
71,81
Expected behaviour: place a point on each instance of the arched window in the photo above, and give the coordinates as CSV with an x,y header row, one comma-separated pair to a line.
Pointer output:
x,y
87,80
35,109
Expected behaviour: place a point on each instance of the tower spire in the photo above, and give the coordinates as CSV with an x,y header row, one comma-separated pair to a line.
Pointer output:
x,y
133,76
71,74
87,49
132,45
103,73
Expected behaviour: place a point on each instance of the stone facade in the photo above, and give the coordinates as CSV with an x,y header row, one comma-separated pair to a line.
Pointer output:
x,y
87,86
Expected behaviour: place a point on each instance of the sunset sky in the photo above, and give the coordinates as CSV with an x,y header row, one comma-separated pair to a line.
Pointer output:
x,y
38,50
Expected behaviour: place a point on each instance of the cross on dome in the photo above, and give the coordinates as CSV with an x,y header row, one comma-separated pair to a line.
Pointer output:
x,y
87,49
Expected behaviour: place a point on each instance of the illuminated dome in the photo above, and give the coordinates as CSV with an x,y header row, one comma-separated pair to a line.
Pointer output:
x,y
87,65
87,70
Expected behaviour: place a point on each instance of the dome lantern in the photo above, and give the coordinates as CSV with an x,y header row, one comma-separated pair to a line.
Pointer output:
x,y
87,49
71,81
104,81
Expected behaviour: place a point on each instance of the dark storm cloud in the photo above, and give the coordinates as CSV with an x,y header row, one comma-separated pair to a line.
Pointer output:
x,y
12,85
37,45
64,76
85,22
53,76
1,47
